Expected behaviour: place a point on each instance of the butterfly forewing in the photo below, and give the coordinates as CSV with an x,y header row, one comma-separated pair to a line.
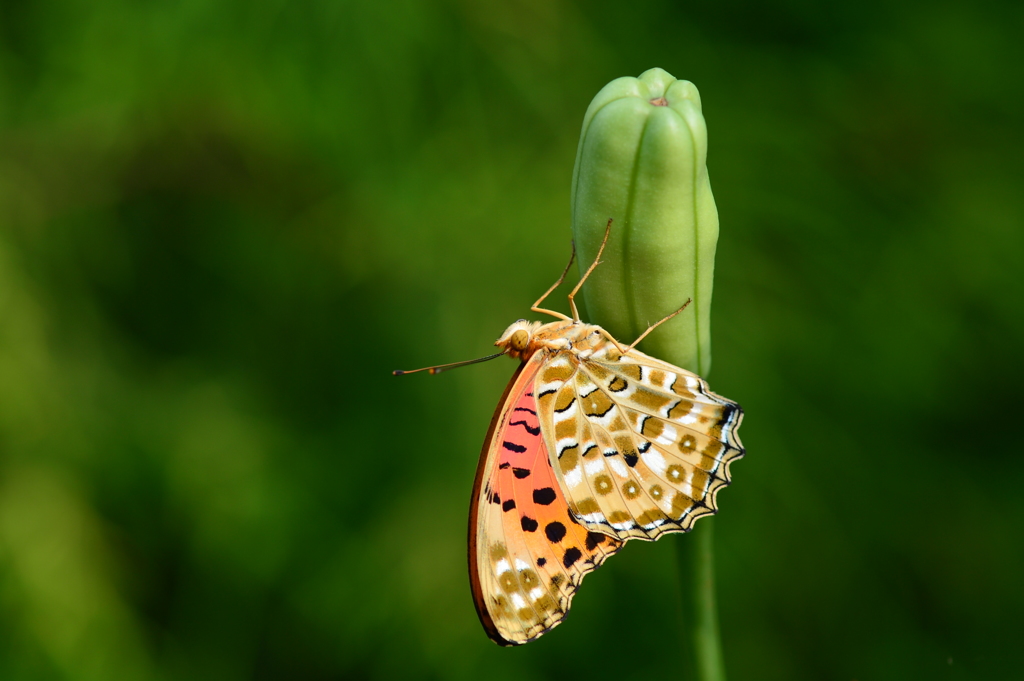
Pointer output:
x,y
639,446
527,551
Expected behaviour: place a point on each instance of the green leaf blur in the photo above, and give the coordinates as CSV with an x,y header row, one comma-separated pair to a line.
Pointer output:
x,y
222,225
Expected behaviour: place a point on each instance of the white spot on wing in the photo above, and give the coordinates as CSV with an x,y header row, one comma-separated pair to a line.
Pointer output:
x,y
565,442
655,461
521,564
618,466
573,477
689,381
549,386
584,386
592,467
568,413
518,601
536,593
656,523
502,566
667,436
687,487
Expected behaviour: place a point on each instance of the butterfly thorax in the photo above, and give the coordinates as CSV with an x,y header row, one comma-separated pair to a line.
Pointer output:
x,y
523,338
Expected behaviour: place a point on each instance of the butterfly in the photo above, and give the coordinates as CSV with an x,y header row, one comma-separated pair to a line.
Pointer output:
x,y
593,443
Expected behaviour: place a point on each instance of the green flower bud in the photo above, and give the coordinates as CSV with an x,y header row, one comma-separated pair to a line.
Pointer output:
x,y
641,162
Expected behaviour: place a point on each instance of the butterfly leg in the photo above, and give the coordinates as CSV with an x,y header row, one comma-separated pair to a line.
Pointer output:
x,y
614,342
652,327
536,306
597,261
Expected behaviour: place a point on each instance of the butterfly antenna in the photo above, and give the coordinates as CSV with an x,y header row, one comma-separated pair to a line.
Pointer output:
x,y
652,327
445,367
536,306
597,261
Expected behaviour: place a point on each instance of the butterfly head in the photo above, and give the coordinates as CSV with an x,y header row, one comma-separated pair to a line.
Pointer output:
x,y
517,341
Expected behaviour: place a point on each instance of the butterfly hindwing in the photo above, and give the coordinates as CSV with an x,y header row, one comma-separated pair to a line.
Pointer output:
x,y
639,446
527,551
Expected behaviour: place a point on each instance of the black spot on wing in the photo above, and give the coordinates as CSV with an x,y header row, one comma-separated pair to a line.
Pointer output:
x,y
508,505
542,561
495,499
543,496
571,555
526,409
728,412
520,472
631,459
555,531
513,447
593,539
528,524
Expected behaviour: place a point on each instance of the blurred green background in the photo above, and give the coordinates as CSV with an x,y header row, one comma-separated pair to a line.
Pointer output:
x,y
222,225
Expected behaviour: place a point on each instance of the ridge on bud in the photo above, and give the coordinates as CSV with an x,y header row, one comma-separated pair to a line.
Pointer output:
x,y
642,162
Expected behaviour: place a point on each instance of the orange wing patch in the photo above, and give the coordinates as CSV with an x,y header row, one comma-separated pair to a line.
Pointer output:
x,y
528,553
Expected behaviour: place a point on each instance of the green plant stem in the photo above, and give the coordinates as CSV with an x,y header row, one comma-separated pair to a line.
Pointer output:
x,y
701,639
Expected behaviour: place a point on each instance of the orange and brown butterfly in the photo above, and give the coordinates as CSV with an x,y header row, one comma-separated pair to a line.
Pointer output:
x,y
592,444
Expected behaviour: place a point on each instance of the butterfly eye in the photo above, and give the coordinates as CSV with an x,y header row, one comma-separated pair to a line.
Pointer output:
x,y
519,340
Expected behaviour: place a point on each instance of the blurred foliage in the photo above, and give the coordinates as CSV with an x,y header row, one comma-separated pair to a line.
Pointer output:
x,y
223,224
